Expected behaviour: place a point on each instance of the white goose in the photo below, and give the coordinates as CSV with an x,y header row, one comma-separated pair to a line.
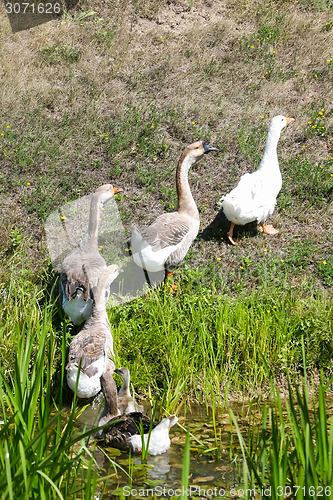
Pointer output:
x,y
166,241
126,403
93,345
123,432
81,268
254,197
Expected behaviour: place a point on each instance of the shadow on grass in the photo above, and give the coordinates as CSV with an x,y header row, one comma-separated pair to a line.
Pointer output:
x,y
24,16
218,228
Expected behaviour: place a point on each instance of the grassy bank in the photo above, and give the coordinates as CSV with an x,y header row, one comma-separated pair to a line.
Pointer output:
x,y
204,335
113,92
204,346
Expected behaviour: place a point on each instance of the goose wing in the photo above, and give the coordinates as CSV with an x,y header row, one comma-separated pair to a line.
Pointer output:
x,y
80,271
87,348
122,428
72,283
168,230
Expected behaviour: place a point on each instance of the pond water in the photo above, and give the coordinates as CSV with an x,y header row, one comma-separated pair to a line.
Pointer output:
x,y
210,475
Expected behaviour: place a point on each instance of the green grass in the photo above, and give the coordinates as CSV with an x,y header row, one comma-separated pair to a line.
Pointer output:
x,y
208,338
41,454
291,453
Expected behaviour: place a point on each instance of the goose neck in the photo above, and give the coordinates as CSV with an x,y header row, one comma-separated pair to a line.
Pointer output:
x,y
94,215
99,300
109,389
186,201
270,153
100,313
124,390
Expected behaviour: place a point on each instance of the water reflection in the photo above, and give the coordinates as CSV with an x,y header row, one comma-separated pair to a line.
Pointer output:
x,y
164,471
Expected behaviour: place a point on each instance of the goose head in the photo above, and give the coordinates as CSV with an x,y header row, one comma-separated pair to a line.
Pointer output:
x,y
125,375
106,278
106,192
279,122
196,150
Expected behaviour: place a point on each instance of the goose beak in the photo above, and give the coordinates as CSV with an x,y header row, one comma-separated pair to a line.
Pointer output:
x,y
117,190
208,148
289,119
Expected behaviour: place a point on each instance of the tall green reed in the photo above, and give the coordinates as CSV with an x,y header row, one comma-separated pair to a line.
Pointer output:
x,y
291,453
42,454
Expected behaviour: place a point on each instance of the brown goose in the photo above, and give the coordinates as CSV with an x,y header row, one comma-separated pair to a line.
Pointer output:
x,y
166,241
93,345
81,268
123,432
126,403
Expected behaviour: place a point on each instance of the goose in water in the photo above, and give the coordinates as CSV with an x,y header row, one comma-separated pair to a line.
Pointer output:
x,y
126,403
254,197
123,431
164,244
93,345
81,268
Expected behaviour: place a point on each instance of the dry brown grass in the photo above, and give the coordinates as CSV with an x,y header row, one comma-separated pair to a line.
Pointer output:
x,y
192,56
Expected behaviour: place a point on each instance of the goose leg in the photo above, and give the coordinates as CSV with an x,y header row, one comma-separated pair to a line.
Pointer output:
x,y
230,233
167,275
172,286
268,229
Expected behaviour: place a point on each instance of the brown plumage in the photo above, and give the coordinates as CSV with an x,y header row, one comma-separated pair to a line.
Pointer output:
x,y
123,432
82,267
166,241
93,345
126,403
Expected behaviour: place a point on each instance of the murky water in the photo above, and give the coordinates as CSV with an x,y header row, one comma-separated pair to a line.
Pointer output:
x,y
210,476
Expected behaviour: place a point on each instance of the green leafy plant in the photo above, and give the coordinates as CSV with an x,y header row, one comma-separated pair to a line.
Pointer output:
x,y
292,453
